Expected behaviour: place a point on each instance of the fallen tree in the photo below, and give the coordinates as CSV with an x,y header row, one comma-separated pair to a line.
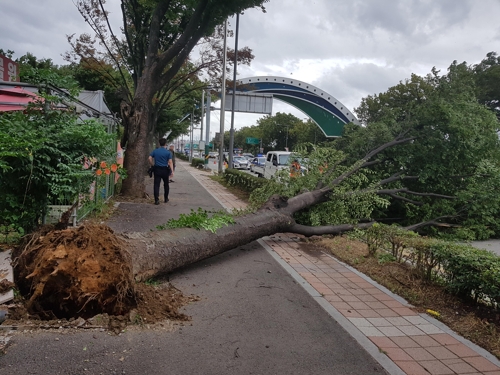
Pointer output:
x,y
88,270
444,172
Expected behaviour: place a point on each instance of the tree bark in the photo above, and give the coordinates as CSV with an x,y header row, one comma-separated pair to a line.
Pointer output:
x,y
161,252
137,117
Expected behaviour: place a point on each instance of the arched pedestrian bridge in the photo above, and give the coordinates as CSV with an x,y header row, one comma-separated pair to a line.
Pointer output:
x,y
324,109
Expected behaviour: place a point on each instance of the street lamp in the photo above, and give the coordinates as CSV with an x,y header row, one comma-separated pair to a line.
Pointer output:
x,y
286,139
223,100
235,65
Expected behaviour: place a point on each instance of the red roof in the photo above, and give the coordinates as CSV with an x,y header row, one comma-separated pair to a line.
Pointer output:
x,y
16,99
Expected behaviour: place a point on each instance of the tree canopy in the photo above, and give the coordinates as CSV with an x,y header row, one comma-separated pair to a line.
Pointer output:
x,y
158,37
455,148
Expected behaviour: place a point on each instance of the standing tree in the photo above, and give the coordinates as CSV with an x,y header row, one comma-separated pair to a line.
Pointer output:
x,y
488,82
159,37
276,131
456,149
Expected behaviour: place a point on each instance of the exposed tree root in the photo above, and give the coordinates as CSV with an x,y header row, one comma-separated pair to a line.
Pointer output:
x,y
75,272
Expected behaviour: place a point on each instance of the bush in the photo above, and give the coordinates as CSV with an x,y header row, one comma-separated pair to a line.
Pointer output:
x,y
42,158
465,271
198,163
243,180
181,156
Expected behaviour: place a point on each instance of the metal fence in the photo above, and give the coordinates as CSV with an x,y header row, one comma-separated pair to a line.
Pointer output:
x,y
100,191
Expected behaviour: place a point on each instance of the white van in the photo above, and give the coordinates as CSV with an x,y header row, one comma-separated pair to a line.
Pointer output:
x,y
275,161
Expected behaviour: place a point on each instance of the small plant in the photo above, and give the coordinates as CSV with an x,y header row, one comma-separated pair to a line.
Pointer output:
x,y
138,320
11,234
200,219
152,282
385,258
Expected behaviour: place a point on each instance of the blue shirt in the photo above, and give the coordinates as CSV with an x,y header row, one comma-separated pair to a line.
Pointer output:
x,y
161,156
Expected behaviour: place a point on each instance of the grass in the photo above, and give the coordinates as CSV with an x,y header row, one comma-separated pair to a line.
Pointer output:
x,y
152,282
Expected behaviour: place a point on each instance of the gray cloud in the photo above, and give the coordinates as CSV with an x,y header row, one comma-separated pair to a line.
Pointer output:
x,y
348,48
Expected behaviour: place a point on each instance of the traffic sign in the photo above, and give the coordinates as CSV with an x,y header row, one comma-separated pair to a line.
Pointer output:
x,y
252,141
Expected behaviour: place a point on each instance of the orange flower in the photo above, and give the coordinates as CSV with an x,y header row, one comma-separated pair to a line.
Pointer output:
x,y
114,167
98,172
103,164
107,171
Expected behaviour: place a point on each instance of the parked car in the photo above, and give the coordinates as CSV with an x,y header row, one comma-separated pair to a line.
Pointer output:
x,y
239,162
275,161
247,155
256,165
213,155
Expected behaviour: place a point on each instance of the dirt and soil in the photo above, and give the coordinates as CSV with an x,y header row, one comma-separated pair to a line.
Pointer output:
x,y
74,272
69,278
478,323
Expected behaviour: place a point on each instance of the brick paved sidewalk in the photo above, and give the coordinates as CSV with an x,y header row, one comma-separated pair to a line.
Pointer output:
x,y
383,323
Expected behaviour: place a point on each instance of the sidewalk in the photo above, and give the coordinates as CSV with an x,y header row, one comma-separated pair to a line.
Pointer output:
x,y
401,340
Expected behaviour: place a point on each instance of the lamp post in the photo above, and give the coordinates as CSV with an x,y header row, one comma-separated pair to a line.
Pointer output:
x,y
235,65
223,100
202,113
191,140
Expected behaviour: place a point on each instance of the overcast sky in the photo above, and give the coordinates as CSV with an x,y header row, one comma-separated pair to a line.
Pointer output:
x,y
348,48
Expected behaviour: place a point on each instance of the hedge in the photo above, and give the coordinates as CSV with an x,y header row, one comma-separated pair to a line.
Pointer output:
x,y
244,181
465,270
197,162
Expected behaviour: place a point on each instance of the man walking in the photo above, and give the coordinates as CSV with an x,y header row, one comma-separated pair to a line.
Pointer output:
x,y
172,151
163,169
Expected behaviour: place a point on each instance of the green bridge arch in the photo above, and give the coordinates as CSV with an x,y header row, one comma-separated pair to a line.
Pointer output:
x,y
324,109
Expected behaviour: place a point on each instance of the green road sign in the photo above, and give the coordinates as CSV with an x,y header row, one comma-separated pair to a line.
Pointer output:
x,y
252,141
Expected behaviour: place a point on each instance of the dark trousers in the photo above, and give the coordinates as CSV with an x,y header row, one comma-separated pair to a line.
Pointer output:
x,y
161,173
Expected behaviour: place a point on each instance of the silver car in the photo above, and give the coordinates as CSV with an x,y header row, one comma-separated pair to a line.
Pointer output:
x,y
239,162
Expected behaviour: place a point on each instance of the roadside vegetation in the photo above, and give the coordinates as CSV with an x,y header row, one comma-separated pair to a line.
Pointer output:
x,y
471,316
426,159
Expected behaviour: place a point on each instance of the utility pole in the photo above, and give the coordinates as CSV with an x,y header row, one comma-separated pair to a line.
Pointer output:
x,y
235,65
202,113
191,139
223,101
207,131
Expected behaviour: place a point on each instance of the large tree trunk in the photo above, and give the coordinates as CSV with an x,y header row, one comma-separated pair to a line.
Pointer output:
x,y
138,128
160,252
89,270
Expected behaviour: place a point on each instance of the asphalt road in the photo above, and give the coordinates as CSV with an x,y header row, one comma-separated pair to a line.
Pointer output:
x,y
490,245
253,318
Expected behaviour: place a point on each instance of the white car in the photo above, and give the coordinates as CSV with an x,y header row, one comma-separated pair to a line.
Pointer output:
x,y
239,162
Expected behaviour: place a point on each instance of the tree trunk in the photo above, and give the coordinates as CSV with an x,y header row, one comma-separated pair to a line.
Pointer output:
x,y
137,118
160,252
